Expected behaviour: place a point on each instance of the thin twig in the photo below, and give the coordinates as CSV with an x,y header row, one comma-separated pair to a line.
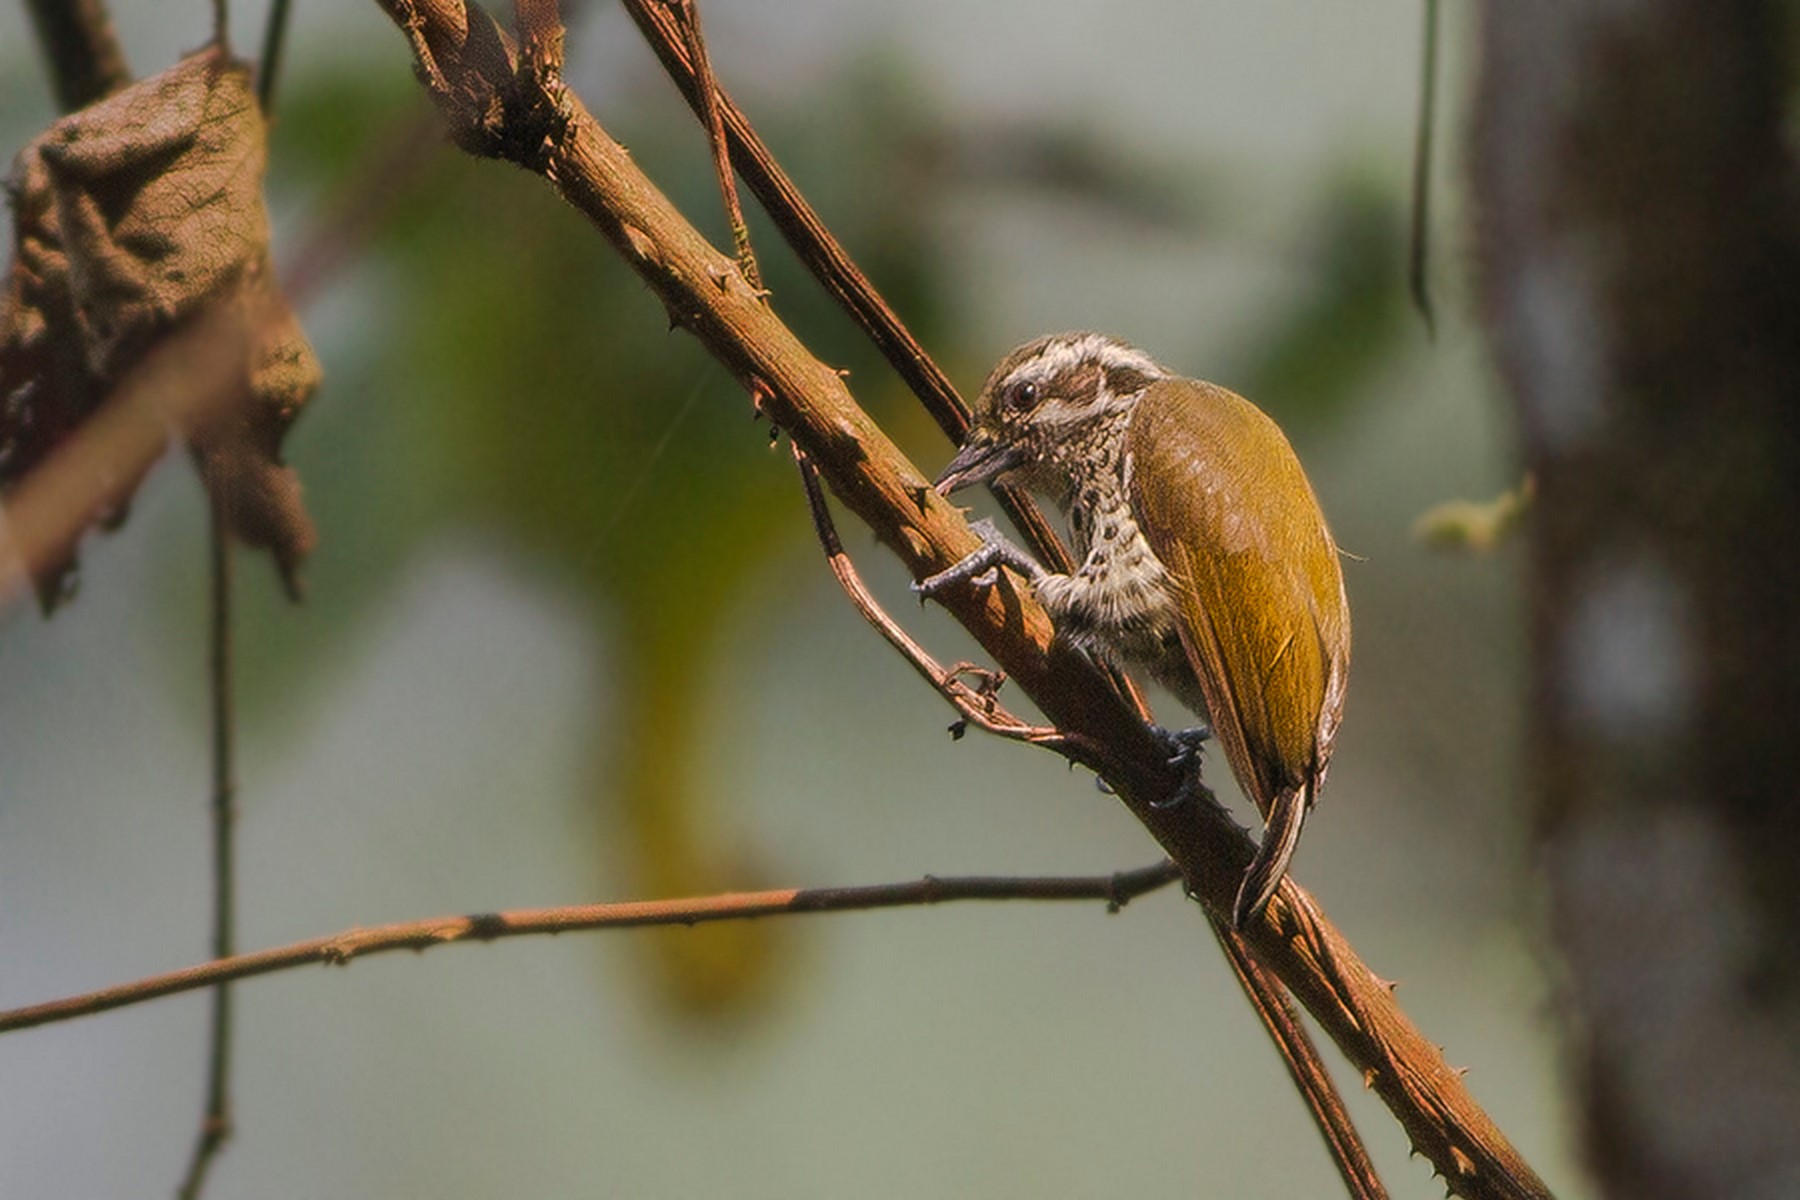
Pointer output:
x,y
222,24
268,67
1420,237
85,59
87,62
1115,890
687,16
1301,1056
979,704
216,1120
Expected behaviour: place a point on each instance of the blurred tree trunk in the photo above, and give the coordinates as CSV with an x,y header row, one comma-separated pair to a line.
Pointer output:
x,y
1637,234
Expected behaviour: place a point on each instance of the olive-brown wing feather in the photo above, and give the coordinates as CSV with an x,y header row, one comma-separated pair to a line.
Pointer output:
x,y
1224,504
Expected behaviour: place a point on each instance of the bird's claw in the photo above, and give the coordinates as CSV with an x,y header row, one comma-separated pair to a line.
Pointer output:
x,y
1184,746
981,567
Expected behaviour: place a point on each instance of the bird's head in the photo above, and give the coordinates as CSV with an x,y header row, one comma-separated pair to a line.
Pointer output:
x,y
1048,402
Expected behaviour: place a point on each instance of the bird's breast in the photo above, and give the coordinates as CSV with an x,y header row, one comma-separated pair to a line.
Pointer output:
x,y
1118,605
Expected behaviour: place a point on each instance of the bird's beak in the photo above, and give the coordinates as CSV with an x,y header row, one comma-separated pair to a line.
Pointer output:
x,y
981,460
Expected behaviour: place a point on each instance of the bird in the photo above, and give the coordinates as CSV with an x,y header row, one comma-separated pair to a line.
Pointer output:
x,y
1202,557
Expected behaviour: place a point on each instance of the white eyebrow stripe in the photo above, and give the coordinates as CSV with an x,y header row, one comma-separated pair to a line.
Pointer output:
x,y
1065,354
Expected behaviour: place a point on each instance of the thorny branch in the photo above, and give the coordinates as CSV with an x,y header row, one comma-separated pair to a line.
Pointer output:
x,y
1115,890
980,704
499,111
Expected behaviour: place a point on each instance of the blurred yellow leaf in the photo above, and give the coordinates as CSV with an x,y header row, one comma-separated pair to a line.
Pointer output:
x,y
1475,525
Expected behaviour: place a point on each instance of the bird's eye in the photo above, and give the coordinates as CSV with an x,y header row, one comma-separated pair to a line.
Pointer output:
x,y
1022,395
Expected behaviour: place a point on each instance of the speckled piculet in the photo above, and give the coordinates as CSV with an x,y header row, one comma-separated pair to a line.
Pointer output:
x,y
1204,558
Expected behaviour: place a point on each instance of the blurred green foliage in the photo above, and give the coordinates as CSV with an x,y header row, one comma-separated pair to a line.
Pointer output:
x,y
1081,163
1310,363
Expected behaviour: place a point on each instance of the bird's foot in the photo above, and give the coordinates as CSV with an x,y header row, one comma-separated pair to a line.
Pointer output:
x,y
1184,747
981,568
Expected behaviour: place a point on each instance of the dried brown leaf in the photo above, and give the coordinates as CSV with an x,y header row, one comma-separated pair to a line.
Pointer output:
x,y
130,217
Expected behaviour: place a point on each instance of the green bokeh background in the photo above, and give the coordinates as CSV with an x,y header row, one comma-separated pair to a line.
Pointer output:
x,y
568,638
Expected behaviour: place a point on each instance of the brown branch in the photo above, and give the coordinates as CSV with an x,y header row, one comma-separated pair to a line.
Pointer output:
x,y
832,266
471,68
1265,992
1116,890
85,58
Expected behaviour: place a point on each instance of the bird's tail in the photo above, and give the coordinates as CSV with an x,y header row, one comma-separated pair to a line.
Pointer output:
x,y
1281,833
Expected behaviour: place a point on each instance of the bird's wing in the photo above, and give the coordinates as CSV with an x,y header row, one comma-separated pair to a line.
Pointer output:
x,y
1222,500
